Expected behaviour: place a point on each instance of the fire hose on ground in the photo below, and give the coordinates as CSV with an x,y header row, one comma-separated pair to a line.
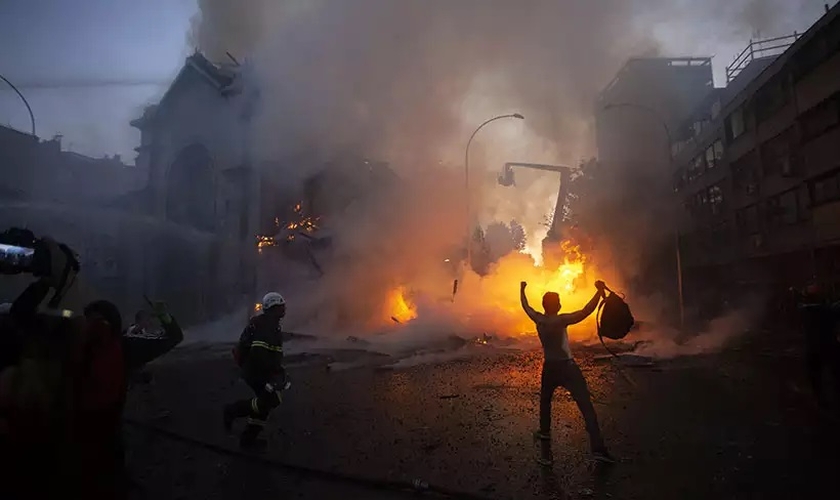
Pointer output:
x,y
415,486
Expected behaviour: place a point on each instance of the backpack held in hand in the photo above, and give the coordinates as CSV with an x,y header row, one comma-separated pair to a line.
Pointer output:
x,y
614,317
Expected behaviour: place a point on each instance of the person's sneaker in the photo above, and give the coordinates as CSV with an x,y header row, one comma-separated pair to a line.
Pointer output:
x,y
228,420
545,462
603,456
541,436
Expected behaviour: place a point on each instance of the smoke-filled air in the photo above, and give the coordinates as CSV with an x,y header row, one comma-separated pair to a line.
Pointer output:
x,y
406,82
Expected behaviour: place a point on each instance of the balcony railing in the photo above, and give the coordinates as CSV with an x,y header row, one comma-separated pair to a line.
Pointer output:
x,y
758,49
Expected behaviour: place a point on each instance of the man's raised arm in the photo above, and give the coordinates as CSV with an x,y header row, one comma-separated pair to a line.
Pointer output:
x,y
534,315
589,308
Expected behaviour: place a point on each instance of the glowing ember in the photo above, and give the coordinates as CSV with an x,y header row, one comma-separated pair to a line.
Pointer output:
x,y
265,241
305,223
398,307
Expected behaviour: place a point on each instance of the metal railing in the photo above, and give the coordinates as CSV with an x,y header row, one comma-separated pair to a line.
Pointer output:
x,y
758,49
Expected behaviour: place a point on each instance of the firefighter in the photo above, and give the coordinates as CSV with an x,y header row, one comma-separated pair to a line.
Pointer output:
x,y
259,354
560,369
822,349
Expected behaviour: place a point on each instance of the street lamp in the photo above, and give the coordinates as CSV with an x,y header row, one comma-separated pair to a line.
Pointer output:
x,y
25,102
655,114
467,178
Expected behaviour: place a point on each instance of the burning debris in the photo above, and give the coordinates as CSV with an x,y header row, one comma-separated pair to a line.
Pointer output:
x,y
305,224
302,225
399,308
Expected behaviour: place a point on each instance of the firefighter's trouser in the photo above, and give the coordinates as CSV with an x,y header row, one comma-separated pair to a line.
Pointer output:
x,y
257,409
567,374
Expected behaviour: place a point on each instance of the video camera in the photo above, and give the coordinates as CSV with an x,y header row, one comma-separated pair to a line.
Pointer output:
x,y
22,252
55,266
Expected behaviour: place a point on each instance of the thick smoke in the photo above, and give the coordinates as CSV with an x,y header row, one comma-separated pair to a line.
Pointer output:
x,y
407,82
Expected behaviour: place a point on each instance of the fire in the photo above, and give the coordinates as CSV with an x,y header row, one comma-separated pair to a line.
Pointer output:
x,y
305,223
492,302
265,241
399,308
573,279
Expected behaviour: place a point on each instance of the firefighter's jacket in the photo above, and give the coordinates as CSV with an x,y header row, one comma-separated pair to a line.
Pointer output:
x,y
260,348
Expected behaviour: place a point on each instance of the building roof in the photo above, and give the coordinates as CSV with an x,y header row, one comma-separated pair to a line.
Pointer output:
x,y
220,76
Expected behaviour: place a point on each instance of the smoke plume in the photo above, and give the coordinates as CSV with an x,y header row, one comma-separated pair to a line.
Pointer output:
x,y
407,82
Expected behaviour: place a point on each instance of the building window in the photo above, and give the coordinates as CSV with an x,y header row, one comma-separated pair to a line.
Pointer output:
x,y
804,199
719,233
715,109
820,118
716,201
714,154
782,210
745,173
696,168
776,154
827,189
737,123
770,98
702,203
718,148
747,220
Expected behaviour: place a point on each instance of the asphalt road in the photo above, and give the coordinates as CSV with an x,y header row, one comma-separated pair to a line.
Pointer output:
x,y
738,424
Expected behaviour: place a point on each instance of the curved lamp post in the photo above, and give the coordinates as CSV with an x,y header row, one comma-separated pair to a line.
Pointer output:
x,y
25,102
655,114
467,178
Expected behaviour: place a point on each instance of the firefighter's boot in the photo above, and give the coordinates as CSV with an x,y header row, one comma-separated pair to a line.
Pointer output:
x,y
250,439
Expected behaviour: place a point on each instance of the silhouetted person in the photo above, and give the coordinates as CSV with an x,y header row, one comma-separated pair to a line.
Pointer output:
x,y
559,367
822,349
259,354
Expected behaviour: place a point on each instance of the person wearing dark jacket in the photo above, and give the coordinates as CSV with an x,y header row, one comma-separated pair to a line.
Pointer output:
x,y
559,367
259,354
140,347
820,319
101,391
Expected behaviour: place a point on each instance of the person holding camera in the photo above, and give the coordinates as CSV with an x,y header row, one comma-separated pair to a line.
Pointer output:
x,y
62,379
559,367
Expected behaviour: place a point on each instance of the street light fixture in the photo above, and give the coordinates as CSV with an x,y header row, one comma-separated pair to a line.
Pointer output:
x,y
467,178
25,102
655,114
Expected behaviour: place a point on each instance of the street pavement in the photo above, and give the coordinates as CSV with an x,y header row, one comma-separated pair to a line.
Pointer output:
x,y
738,424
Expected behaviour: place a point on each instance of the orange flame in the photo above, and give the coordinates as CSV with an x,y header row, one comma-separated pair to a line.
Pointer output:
x,y
399,308
304,223
573,279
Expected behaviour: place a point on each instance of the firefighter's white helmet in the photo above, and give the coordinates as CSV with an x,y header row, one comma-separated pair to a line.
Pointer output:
x,y
272,299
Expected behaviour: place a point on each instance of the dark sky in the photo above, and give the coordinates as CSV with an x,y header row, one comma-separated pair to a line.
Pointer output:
x,y
71,44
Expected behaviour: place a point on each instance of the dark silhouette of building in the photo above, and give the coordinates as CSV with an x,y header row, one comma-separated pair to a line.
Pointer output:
x,y
757,168
634,115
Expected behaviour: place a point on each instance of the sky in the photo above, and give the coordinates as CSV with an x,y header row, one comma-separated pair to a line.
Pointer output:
x,y
69,44
63,50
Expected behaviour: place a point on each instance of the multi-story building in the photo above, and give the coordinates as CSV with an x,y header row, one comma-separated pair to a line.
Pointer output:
x,y
757,168
633,117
